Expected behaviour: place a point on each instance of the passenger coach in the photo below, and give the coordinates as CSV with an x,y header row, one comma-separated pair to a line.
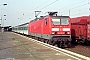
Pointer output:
x,y
21,29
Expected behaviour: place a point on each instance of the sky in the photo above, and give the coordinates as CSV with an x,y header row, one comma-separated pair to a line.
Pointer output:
x,y
21,11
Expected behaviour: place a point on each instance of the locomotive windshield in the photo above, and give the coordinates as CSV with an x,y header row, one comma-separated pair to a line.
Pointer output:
x,y
58,21
64,21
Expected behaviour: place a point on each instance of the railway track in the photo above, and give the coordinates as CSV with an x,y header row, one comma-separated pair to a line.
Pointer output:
x,y
80,49
75,52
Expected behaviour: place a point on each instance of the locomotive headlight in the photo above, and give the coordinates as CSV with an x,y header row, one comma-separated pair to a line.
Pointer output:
x,y
53,33
68,32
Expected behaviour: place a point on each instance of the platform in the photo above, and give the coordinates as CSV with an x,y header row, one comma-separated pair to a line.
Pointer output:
x,y
14,47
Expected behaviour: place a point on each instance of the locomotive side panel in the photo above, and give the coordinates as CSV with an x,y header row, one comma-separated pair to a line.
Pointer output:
x,y
46,29
46,25
32,28
40,28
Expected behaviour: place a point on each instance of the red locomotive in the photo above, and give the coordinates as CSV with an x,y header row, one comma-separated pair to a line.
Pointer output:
x,y
80,29
53,29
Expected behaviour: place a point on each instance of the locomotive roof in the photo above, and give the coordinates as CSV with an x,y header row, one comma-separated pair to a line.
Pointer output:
x,y
60,16
35,19
41,17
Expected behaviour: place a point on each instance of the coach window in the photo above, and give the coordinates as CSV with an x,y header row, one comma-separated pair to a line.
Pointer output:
x,y
25,28
46,22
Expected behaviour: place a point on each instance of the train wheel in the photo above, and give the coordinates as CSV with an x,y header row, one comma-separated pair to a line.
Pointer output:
x,y
69,44
86,42
53,43
35,38
42,40
47,41
56,45
50,42
62,44
38,38
59,45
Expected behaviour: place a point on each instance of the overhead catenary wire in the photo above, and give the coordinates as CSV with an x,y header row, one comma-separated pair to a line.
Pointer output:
x,y
44,6
48,4
37,7
40,5
69,10
80,9
79,6
72,5
28,14
76,7
81,12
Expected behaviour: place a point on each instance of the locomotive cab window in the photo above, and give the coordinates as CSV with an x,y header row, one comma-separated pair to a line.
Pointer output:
x,y
64,21
46,22
60,20
55,21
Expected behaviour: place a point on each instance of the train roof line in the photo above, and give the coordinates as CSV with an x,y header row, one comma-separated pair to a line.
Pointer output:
x,y
41,17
